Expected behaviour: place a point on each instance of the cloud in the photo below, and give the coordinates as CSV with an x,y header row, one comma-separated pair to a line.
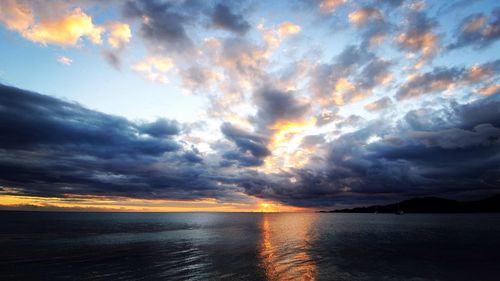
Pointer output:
x,y
245,141
154,68
392,3
162,24
442,79
288,28
113,58
328,6
352,76
365,15
64,60
275,106
16,16
351,121
62,148
489,90
199,78
327,116
419,37
119,34
460,153
161,128
66,29
380,104
371,21
224,18
478,30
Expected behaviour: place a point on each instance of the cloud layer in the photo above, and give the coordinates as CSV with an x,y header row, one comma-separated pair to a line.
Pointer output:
x,y
304,103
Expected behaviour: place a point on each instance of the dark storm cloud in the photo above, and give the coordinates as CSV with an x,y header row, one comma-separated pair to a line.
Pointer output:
x,y
246,142
224,18
478,30
54,122
161,128
163,24
251,147
241,159
485,111
50,147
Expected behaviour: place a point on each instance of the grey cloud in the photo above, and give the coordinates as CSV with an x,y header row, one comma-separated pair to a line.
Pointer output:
x,y
327,117
61,147
362,68
161,128
246,142
442,78
478,30
112,58
224,18
380,104
351,121
274,105
241,159
162,24
439,79
419,35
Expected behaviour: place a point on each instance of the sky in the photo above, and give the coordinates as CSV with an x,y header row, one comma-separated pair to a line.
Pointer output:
x,y
246,105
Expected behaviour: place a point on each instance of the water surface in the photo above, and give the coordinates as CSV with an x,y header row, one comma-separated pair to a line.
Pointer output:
x,y
248,246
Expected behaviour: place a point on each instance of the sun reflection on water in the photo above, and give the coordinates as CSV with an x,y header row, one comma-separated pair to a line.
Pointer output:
x,y
285,247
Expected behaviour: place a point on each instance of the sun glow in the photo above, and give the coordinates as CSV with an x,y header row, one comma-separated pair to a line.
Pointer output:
x,y
286,145
93,203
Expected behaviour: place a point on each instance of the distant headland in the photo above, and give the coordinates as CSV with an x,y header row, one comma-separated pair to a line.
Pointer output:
x,y
431,205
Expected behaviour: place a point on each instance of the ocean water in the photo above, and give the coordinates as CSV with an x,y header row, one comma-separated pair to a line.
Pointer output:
x,y
248,246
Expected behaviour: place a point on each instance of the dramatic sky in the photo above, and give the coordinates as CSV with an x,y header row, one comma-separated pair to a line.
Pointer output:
x,y
246,105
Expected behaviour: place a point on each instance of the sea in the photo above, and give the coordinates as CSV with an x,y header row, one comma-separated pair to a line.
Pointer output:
x,y
248,246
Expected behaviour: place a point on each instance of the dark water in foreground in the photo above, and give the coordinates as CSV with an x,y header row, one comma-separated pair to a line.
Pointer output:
x,y
238,246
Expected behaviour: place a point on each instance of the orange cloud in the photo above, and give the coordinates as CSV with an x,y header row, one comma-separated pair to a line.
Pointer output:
x,y
489,90
119,34
274,37
361,16
65,31
15,16
288,28
328,6
475,24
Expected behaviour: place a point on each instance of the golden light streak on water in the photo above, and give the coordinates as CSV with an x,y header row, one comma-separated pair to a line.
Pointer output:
x,y
285,247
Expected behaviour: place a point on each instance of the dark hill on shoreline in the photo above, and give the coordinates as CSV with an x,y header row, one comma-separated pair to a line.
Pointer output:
x,y
431,205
